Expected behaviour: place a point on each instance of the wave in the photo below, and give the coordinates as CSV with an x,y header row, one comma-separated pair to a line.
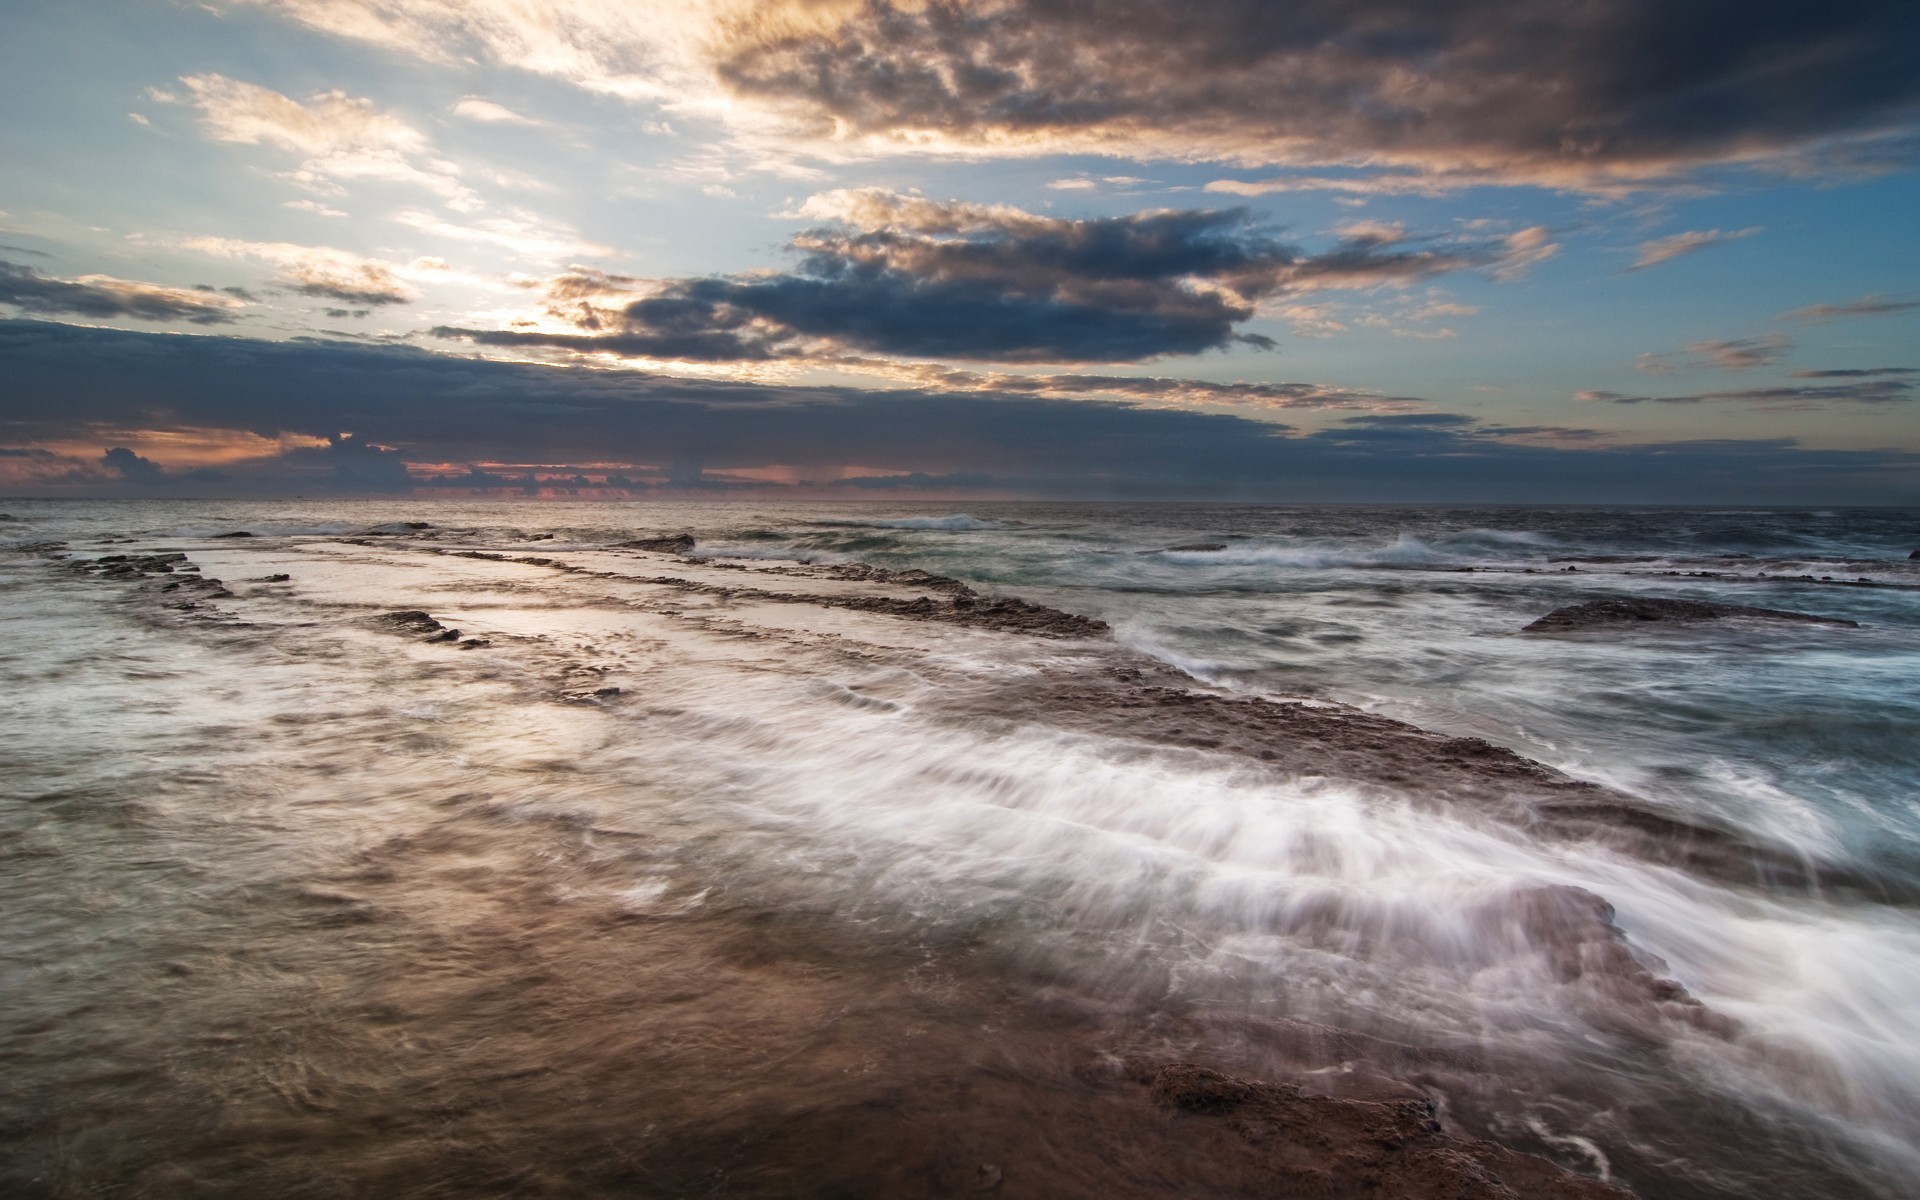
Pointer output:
x,y
957,523
1404,551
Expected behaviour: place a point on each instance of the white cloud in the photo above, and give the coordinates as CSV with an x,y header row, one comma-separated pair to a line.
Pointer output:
x,y
1525,249
319,271
522,233
345,138
232,110
479,108
1383,233
1664,249
639,51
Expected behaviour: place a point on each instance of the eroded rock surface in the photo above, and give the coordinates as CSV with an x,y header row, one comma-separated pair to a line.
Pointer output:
x,y
1631,611
1266,1139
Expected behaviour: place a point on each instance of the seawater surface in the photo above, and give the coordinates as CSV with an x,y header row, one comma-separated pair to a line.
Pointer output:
x,y
293,906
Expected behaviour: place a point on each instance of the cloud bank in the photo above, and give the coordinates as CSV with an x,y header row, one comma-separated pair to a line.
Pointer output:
x,y
1595,94
899,274
423,419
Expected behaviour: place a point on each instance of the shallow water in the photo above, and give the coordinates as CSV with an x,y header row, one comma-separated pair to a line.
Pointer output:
x,y
294,906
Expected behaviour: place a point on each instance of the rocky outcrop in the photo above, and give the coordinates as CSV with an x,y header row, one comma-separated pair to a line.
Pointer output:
x,y
1249,1138
1011,615
1584,951
673,543
1631,611
868,573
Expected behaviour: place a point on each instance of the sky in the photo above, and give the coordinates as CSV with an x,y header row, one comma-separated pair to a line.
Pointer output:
x,y
1337,250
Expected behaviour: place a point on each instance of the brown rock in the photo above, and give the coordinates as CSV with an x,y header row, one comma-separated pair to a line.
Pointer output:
x,y
1629,611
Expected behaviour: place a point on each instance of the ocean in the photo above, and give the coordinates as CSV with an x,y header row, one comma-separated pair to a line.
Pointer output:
x,y
674,889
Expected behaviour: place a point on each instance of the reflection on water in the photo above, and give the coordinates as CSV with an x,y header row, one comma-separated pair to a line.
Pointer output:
x,y
294,906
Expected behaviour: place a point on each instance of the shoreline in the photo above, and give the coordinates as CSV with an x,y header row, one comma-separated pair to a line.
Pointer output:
x,y
1008,1084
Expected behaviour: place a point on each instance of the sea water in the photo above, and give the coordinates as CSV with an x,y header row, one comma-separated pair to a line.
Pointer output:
x,y
254,828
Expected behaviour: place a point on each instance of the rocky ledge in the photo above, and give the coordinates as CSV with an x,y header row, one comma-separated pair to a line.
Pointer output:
x,y
1625,611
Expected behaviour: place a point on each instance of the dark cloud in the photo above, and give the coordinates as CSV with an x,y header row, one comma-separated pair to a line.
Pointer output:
x,y
1555,93
105,296
1865,306
1874,391
374,287
898,274
406,405
128,465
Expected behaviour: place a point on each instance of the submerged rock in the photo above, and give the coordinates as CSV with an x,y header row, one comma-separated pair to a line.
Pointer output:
x,y
1253,1138
673,543
1010,615
1582,948
915,578
134,566
238,533
1608,614
410,620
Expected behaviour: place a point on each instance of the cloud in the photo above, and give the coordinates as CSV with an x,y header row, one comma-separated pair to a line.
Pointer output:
x,y
1358,185
1603,95
447,415
318,271
1666,249
345,138
128,465
1146,389
1804,398
1865,306
901,274
522,234
232,110
1735,354
105,296
313,206
1617,89
479,108
32,467
1083,183
1858,373
637,52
